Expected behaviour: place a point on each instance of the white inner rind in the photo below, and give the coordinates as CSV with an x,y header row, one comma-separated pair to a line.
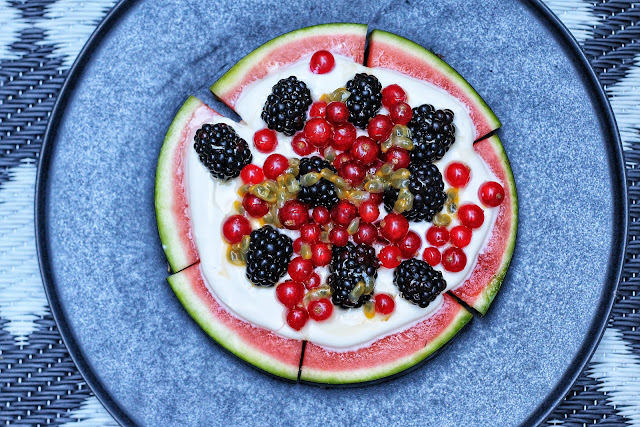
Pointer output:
x,y
211,201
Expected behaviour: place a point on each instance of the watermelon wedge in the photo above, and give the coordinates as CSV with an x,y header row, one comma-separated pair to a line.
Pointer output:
x,y
386,356
388,50
483,283
344,39
257,346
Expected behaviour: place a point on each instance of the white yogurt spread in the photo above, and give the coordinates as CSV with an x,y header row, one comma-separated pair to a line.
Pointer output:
x,y
211,201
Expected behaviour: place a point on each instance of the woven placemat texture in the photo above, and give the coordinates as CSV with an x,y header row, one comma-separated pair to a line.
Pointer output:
x,y
39,384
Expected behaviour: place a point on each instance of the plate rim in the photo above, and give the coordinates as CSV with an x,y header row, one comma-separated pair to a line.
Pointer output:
x,y
616,166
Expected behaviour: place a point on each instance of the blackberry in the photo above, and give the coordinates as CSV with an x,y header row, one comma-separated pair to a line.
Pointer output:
x,y
427,187
364,100
268,256
432,132
221,150
351,264
322,193
286,107
418,282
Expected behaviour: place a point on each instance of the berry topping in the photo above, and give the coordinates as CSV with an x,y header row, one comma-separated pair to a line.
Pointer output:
x,y
491,194
320,254
252,174
310,232
341,159
338,236
320,310
392,95
322,62
337,113
380,127
265,140
401,114
301,146
369,211
365,150
398,156
275,165
384,304
321,215
293,214
432,132
353,273
318,132
255,206
394,227
461,236
268,256
390,256
290,293
367,234
471,215
235,228
313,281
297,317
438,236
297,245
286,107
343,136
318,109
432,256
418,282
344,212
457,174
322,193
410,244
300,269
353,172
221,150
364,100
454,259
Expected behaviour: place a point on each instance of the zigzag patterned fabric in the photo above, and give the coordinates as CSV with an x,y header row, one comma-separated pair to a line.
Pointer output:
x,y
39,384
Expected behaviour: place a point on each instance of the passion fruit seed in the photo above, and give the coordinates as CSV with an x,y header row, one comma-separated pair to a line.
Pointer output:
x,y
369,309
243,190
386,145
340,182
401,130
401,174
342,194
305,251
310,179
340,95
263,192
324,236
357,196
404,201
370,283
356,292
452,201
400,183
244,243
273,210
291,183
235,257
237,205
281,197
353,226
441,220
402,142
330,154
372,186
320,292
271,185
385,170
327,174
294,161
293,170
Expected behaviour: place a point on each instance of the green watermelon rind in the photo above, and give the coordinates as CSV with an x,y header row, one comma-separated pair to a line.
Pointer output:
x,y
435,61
171,234
234,76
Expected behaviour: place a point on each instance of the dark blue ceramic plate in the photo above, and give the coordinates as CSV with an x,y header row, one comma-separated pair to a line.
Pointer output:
x,y
105,271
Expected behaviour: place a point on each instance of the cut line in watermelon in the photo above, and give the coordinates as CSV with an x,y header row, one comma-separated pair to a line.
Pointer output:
x,y
388,50
485,279
259,347
345,39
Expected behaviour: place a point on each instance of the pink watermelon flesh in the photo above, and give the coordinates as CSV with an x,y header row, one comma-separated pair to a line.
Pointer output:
x,y
386,356
387,50
260,347
482,285
344,39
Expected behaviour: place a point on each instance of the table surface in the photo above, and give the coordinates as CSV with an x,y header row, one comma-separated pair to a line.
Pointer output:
x,y
39,383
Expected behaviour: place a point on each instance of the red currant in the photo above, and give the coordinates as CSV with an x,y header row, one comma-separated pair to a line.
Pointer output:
x,y
313,281
337,113
353,172
275,165
400,113
410,244
341,159
457,174
321,215
365,149
300,269
398,156
310,232
384,304
390,257
318,109
322,62
235,228
293,215
318,132
320,254
343,136
394,227
393,94
290,293
491,194
437,236
460,236
375,166
454,259
297,245
255,206
376,198
369,211
432,256
320,310
338,236
265,140
367,234
471,215
300,145
297,317
252,174
380,127
343,212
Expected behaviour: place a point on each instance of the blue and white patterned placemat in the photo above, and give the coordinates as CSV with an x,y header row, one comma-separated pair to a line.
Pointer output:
x,y
39,384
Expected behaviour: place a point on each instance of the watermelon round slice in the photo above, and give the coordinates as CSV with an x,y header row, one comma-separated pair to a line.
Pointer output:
x,y
388,50
257,346
386,356
172,206
483,283
344,39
